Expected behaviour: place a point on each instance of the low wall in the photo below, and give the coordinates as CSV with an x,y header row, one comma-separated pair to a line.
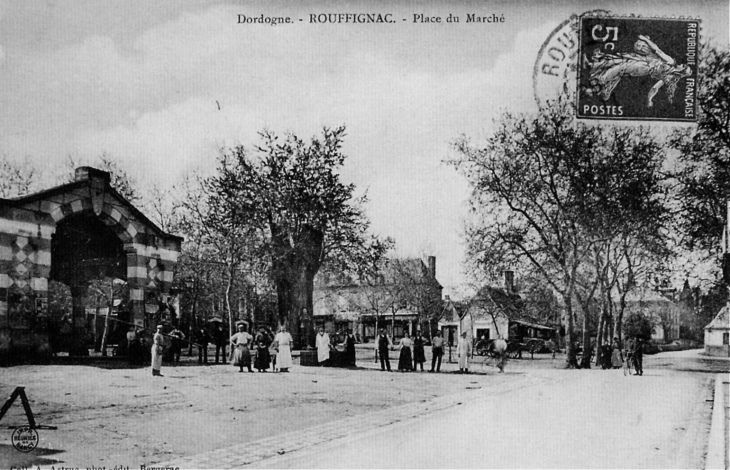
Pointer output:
x,y
722,350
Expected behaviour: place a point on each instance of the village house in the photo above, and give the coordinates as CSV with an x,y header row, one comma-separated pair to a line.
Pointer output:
x,y
717,334
494,312
405,296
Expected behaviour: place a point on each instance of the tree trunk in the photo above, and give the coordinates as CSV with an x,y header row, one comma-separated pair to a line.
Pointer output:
x,y
599,338
571,361
295,265
585,362
229,287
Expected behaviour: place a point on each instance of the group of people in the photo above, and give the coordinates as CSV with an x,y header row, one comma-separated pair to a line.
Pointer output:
x,y
274,351
271,350
327,353
613,357
412,352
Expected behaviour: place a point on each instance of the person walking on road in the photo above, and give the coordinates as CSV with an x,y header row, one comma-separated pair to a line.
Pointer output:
x,y
464,350
405,361
176,346
419,355
637,352
383,344
283,357
242,355
437,352
617,356
158,345
322,344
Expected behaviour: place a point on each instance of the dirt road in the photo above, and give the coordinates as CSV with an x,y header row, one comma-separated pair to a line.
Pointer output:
x,y
113,417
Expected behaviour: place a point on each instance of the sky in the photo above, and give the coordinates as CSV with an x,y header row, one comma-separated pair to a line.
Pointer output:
x,y
162,86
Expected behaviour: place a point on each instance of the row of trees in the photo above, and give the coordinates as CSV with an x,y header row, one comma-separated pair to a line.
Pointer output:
x,y
595,211
262,225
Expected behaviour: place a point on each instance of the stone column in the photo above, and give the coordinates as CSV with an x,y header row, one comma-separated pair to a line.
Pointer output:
x,y
136,277
79,293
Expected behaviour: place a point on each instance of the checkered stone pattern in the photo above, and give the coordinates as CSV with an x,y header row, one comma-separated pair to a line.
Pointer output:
x,y
25,264
25,258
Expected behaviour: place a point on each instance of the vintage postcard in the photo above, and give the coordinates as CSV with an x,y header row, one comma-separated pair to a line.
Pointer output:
x,y
389,234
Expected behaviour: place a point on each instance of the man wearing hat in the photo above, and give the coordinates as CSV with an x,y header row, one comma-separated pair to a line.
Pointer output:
x,y
158,343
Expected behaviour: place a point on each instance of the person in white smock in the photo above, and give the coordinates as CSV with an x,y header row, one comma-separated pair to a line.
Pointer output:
x,y
283,358
158,343
464,350
322,344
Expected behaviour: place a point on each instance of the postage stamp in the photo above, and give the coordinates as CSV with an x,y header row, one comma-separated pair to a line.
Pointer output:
x,y
638,69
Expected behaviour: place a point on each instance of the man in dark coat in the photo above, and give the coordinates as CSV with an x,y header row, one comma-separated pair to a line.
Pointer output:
x,y
202,337
177,337
350,349
221,340
383,343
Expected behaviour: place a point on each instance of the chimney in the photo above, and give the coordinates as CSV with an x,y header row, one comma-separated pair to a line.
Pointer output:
x,y
87,173
509,281
432,266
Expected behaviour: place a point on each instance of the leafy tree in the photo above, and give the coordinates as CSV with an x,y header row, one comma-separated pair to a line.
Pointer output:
x,y
638,324
550,194
704,170
289,193
220,260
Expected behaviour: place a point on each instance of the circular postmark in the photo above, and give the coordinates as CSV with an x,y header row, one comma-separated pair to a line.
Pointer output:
x,y
24,439
555,70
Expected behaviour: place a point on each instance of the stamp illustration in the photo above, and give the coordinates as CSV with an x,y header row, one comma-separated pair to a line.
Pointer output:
x,y
638,69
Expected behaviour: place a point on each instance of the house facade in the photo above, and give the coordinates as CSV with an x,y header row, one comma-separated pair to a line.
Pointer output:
x,y
717,334
495,312
405,296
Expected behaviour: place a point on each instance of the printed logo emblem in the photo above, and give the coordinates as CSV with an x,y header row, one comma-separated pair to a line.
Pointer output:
x,y
25,439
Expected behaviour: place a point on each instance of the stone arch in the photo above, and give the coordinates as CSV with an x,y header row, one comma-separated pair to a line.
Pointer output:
x,y
145,253
114,219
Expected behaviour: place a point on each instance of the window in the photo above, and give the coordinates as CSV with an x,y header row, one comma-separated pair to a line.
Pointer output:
x,y
725,338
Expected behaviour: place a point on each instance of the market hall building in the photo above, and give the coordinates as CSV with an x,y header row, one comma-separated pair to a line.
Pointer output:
x,y
73,234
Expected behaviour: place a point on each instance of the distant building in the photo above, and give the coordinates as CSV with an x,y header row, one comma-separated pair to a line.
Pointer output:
x,y
496,312
406,296
717,334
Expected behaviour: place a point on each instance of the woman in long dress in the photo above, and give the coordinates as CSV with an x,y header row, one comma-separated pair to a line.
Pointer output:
x,y
283,358
405,362
242,354
262,351
419,355
617,357
350,354
158,343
